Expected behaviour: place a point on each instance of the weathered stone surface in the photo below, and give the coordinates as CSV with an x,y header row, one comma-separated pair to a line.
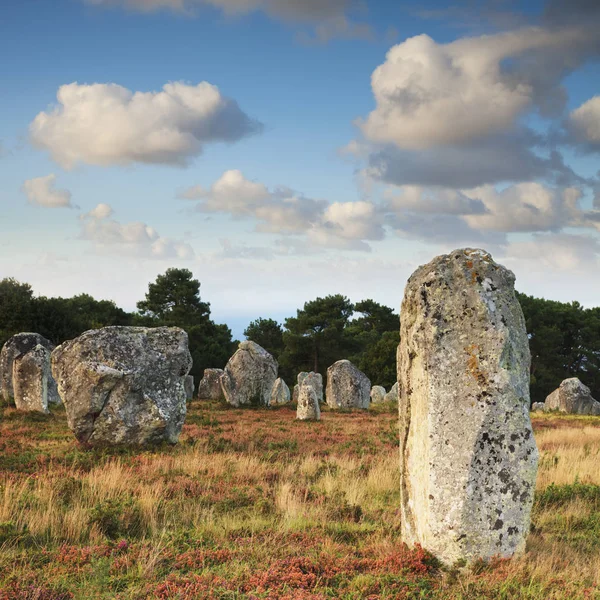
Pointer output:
x,y
209,387
378,394
392,395
124,385
347,387
310,378
280,393
574,398
249,376
16,346
538,407
31,372
468,455
308,408
189,387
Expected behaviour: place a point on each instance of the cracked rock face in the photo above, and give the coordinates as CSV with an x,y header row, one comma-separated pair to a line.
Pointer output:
x,y
468,455
310,378
377,394
249,376
392,395
31,373
347,387
124,385
15,347
574,398
308,408
209,387
280,393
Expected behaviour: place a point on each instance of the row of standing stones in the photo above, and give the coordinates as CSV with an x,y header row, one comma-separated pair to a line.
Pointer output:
x,y
468,459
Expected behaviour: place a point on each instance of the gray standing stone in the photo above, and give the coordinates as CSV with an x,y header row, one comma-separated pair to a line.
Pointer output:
x,y
189,387
249,376
377,394
347,387
209,387
124,385
280,393
31,372
308,408
16,346
310,378
572,397
468,455
392,395
538,407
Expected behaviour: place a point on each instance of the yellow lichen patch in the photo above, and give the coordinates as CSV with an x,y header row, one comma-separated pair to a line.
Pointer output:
x,y
474,366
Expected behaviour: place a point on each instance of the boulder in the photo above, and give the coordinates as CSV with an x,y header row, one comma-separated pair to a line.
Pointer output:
x,y
392,395
189,387
468,455
280,393
574,398
31,372
16,346
249,376
347,387
538,407
308,408
310,378
377,394
209,387
124,385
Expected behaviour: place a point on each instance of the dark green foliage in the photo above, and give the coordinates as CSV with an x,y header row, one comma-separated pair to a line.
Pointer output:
x,y
15,307
267,333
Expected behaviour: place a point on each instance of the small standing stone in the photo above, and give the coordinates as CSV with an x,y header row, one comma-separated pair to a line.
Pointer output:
x,y
308,408
347,387
468,455
377,394
209,387
538,407
280,393
31,372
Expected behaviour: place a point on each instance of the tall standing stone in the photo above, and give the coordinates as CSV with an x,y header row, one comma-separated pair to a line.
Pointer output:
x,y
347,387
308,408
249,376
392,395
17,346
209,387
468,456
31,373
310,378
124,385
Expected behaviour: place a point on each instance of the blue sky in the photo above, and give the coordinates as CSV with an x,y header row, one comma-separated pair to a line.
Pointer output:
x,y
294,173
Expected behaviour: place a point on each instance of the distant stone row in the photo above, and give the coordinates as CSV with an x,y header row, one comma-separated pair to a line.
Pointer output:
x,y
129,385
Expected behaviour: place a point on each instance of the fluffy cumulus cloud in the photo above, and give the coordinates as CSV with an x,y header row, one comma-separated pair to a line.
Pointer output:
x,y
584,124
42,191
107,124
136,238
283,211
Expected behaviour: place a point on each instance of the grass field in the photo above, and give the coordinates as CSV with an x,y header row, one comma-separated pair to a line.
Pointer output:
x,y
252,504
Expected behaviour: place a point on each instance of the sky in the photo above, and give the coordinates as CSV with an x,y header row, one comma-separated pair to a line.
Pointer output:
x,y
288,149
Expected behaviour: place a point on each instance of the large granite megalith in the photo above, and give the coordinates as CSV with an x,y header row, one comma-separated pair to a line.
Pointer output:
x,y
31,373
572,397
249,376
468,456
124,385
308,408
347,387
209,387
15,347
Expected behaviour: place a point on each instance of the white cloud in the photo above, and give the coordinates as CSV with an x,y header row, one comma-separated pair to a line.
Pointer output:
x,y
136,238
107,124
431,94
415,198
41,191
584,123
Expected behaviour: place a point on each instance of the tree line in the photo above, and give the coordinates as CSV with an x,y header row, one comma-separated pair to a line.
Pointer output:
x,y
564,337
